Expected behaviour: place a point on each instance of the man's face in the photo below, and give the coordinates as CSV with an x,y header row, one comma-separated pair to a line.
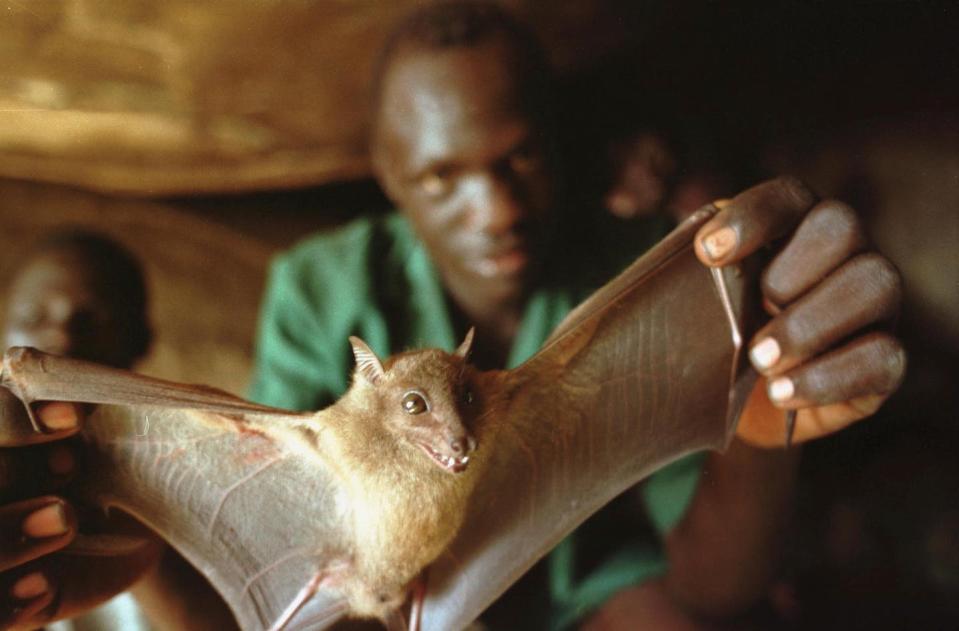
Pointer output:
x,y
53,306
459,152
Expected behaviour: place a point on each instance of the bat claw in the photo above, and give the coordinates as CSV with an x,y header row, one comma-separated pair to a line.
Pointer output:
x,y
790,428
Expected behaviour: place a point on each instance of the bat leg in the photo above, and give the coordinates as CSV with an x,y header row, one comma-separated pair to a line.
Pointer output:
x,y
303,597
395,622
417,596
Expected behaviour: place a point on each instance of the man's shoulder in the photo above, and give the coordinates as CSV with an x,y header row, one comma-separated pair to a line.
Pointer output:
x,y
356,280
349,241
347,254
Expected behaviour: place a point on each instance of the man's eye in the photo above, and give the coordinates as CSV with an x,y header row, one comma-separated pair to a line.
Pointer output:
x,y
523,161
414,403
434,184
86,321
27,317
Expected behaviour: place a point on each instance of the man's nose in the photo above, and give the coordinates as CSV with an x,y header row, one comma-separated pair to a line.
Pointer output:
x,y
65,321
495,208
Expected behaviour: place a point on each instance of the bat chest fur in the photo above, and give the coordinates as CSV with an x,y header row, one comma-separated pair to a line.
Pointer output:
x,y
400,524
404,521
404,511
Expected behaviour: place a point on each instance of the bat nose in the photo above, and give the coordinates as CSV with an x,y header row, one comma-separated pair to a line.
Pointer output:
x,y
462,446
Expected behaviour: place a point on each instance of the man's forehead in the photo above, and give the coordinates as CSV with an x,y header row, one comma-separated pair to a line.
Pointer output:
x,y
437,103
56,270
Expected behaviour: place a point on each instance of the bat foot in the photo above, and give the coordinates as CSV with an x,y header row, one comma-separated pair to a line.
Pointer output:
x,y
395,621
303,597
417,596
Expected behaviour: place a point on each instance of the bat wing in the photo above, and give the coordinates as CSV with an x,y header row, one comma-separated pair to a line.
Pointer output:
x,y
212,475
644,371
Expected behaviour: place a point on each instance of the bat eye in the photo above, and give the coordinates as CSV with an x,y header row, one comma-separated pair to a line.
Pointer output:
x,y
468,397
414,403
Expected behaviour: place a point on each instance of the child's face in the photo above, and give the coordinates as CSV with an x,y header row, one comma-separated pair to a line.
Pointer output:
x,y
56,305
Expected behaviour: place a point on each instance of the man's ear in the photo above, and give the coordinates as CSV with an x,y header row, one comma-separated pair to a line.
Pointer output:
x,y
367,363
384,176
382,152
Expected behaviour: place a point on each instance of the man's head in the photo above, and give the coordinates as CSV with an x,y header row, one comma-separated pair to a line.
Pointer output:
x,y
461,142
81,295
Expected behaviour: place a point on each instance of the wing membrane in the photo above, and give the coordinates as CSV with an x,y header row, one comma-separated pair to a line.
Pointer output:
x,y
215,476
645,371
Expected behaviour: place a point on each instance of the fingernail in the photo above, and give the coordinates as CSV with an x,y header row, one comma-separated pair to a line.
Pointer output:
x,y
782,389
765,354
61,460
49,521
30,586
622,204
719,243
58,415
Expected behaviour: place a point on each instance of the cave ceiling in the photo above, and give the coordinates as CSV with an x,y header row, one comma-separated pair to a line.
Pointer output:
x,y
181,97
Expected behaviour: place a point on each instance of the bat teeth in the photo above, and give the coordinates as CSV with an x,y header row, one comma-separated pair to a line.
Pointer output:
x,y
455,463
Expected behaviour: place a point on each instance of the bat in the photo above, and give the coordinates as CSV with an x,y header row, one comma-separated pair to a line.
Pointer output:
x,y
300,519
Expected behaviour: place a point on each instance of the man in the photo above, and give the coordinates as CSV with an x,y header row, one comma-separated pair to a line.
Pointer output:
x,y
81,295
462,144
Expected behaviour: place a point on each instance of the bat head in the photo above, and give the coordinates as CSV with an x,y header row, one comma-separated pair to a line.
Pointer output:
x,y
425,400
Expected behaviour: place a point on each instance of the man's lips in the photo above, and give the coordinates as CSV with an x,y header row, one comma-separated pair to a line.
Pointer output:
x,y
506,263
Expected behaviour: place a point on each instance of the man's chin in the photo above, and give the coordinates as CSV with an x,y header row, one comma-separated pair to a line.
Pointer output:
x,y
500,287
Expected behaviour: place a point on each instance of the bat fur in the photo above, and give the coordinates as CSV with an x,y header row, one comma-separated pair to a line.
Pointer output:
x,y
298,518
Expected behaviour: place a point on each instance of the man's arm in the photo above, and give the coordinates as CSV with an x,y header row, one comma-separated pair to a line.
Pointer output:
x,y
819,355
723,552
726,550
294,366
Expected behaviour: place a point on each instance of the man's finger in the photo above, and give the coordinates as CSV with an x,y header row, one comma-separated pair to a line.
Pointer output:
x,y
864,291
753,219
67,583
873,364
36,470
828,236
58,419
33,528
25,599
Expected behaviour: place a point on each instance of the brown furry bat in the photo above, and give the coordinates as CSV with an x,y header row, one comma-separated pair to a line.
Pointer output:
x,y
300,519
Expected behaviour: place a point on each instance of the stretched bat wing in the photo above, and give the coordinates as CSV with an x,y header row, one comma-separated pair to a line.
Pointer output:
x,y
257,516
646,370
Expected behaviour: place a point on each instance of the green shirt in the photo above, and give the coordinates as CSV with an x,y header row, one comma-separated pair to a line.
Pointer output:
x,y
374,279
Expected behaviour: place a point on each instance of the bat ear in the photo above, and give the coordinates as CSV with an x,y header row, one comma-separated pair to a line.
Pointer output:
x,y
467,345
367,362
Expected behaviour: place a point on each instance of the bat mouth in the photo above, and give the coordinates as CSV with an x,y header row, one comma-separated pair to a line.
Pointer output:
x,y
453,464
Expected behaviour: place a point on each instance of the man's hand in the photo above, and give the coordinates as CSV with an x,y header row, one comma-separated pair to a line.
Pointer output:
x,y
38,581
823,353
